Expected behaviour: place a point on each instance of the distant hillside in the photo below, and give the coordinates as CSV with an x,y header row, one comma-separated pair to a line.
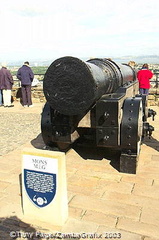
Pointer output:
x,y
139,59
32,63
154,59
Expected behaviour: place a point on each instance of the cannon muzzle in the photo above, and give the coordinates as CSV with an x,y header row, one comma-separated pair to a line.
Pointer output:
x,y
71,86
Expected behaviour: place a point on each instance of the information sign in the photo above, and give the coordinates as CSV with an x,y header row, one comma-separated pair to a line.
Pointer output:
x,y
40,179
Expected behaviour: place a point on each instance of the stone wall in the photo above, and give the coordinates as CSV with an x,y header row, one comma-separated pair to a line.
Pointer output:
x,y
153,98
37,94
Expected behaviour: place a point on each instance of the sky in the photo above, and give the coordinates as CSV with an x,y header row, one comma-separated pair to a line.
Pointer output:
x,y
49,29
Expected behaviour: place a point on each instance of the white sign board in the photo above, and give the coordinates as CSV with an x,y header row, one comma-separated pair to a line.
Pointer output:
x,y
44,186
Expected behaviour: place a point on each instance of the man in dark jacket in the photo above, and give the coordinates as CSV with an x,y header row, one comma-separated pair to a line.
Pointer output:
x,y
6,82
25,75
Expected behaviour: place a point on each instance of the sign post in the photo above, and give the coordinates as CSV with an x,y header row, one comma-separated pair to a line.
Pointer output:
x,y
44,189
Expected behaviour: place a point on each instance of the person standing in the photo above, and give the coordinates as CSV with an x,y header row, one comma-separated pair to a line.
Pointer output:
x,y
0,96
144,75
6,83
26,75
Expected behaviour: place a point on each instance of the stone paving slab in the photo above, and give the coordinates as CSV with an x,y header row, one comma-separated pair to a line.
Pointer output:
x,y
20,124
102,201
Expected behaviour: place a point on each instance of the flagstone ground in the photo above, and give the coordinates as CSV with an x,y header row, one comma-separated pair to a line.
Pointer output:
x,y
102,201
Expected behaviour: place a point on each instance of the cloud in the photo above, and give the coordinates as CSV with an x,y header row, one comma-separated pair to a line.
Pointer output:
x,y
29,12
48,28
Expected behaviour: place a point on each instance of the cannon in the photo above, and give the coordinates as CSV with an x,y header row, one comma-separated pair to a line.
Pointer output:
x,y
96,101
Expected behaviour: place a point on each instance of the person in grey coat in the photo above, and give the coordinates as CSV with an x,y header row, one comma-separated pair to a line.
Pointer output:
x,y
26,75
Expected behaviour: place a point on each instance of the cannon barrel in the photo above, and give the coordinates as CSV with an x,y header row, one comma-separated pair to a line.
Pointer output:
x,y
95,102
71,86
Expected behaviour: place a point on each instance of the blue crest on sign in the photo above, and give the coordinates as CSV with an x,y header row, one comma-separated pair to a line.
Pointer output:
x,y
40,186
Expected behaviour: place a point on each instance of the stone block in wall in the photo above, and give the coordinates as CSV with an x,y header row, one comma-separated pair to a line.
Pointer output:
x,y
152,90
151,103
151,97
35,100
157,99
42,100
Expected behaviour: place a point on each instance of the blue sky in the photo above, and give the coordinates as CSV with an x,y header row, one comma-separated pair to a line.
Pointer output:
x,y
38,29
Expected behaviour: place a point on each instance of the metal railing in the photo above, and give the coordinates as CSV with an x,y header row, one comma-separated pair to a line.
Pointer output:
x,y
154,82
38,77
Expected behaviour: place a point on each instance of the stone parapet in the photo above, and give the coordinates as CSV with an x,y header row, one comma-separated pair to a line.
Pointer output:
x,y
37,94
153,98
